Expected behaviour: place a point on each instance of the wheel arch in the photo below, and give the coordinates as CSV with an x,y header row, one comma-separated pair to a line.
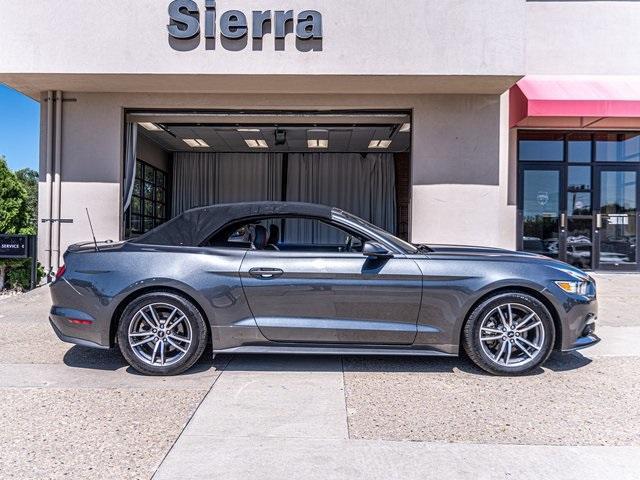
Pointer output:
x,y
517,289
117,313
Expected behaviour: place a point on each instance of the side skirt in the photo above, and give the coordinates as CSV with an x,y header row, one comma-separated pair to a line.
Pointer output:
x,y
337,350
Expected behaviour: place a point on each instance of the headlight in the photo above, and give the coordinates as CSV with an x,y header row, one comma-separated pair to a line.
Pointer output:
x,y
577,288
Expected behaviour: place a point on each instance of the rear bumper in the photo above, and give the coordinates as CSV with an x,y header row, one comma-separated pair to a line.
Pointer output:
x,y
78,318
75,340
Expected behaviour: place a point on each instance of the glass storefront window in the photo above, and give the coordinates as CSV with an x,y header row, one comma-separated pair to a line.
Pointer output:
x,y
541,146
617,147
579,147
579,243
578,203
579,178
581,206
541,211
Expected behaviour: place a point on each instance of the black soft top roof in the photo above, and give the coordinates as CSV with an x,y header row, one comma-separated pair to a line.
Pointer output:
x,y
193,227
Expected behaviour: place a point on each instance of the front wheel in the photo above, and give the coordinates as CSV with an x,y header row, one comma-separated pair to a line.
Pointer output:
x,y
509,334
161,333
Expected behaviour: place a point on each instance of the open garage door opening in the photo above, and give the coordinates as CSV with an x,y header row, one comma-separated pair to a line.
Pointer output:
x,y
357,161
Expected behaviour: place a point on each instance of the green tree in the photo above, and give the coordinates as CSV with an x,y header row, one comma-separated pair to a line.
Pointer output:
x,y
29,179
16,218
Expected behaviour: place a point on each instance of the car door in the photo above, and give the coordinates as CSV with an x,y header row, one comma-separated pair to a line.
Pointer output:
x,y
322,295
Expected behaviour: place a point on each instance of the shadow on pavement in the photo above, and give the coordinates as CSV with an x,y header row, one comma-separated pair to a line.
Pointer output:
x,y
112,360
558,362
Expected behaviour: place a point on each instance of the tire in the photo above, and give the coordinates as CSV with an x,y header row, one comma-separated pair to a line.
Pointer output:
x,y
509,348
173,346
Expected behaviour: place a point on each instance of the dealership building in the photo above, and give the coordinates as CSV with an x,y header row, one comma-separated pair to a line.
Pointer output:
x,y
508,123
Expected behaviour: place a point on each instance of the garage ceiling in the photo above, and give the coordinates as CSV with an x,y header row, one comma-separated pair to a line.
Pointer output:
x,y
225,138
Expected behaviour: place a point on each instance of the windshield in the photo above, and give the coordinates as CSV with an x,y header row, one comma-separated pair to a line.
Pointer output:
x,y
399,243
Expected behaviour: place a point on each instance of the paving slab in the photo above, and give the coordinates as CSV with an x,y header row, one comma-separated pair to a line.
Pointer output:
x,y
64,377
205,457
574,400
616,342
275,396
89,433
618,299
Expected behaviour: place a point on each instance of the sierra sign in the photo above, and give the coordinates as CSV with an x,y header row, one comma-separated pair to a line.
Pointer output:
x,y
187,22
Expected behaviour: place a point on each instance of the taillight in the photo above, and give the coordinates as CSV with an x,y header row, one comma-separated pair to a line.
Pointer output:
x,y
60,272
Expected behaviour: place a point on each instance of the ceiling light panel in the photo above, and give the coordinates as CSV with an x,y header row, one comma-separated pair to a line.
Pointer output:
x,y
259,143
406,127
318,143
379,143
196,142
152,127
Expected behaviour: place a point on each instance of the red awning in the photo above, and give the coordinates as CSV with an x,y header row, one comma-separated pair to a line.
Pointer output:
x,y
575,102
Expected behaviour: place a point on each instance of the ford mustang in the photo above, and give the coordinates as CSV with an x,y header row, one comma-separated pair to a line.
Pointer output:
x,y
278,277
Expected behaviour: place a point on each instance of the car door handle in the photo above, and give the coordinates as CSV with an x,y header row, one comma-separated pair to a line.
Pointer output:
x,y
266,272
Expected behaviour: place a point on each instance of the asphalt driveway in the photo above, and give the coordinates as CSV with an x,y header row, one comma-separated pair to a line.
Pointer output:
x,y
67,411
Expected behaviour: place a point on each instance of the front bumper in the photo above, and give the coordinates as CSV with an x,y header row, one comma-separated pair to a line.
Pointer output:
x,y
578,318
584,342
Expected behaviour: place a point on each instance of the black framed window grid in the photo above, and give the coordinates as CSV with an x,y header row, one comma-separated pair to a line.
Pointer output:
x,y
148,207
577,147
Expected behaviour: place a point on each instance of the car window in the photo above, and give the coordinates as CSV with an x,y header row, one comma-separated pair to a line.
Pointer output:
x,y
289,234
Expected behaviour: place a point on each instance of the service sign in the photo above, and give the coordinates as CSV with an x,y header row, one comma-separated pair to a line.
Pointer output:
x,y
13,246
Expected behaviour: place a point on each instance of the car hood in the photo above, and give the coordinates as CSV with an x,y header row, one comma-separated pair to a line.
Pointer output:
x,y
475,251
491,253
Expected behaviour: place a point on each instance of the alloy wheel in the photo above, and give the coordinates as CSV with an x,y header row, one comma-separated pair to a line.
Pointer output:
x,y
160,334
512,335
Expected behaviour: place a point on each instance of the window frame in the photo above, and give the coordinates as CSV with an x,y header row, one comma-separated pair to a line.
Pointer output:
x,y
230,227
143,199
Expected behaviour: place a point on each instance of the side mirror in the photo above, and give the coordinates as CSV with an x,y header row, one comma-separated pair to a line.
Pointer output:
x,y
375,250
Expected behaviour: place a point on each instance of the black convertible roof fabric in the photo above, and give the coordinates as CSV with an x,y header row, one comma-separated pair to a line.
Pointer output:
x,y
193,227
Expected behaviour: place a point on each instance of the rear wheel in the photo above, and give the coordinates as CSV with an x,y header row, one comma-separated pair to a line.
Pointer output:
x,y
509,334
161,333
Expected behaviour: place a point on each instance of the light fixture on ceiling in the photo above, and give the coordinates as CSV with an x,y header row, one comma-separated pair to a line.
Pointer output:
x,y
317,143
379,143
406,127
152,127
196,142
318,138
257,143
248,130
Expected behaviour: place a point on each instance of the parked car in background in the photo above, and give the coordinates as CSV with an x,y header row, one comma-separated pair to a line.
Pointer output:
x,y
303,278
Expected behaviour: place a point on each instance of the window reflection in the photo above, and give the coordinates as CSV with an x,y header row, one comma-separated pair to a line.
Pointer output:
x,y
541,211
579,147
579,178
541,146
578,203
617,147
579,244
618,234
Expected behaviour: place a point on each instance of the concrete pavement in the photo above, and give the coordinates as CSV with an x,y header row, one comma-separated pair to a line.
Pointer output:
x,y
409,418
72,412
68,411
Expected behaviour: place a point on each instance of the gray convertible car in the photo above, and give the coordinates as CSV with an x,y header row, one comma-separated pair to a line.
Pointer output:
x,y
302,278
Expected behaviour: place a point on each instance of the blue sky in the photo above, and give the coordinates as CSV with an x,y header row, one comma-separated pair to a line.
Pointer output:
x,y
19,129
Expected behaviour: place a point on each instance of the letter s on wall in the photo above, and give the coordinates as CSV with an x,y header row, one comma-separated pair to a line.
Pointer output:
x,y
185,19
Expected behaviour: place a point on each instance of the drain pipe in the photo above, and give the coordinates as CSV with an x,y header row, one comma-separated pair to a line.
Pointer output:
x,y
48,229
57,185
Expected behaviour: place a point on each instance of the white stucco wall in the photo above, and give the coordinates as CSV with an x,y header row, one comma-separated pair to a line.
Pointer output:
x,y
583,37
458,161
392,37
